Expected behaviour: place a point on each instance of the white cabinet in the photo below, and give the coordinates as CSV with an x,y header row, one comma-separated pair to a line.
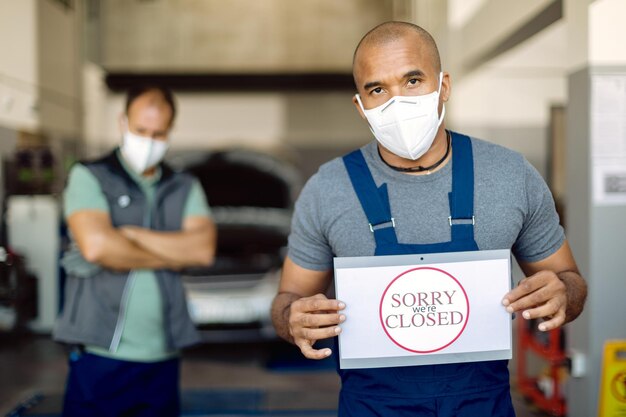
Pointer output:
x,y
33,226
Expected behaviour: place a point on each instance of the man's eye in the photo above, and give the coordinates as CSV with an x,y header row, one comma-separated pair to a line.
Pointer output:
x,y
413,81
377,90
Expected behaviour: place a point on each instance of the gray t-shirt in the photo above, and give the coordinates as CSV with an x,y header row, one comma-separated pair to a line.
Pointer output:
x,y
513,209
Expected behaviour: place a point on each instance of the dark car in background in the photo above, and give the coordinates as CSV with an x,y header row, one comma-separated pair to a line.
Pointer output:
x,y
251,195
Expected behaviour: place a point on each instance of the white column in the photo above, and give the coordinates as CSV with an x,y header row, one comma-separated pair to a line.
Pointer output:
x,y
596,190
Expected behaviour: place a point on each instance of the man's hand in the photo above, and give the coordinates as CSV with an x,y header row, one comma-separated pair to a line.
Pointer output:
x,y
301,313
312,319
553,290
539,296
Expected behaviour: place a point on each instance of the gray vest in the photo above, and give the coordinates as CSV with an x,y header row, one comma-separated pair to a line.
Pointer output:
x,y
94,303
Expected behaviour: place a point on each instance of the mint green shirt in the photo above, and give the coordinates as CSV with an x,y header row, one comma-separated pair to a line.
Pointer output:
x,y
143,337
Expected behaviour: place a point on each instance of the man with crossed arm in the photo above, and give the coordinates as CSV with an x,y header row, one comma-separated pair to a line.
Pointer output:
x,y
135,223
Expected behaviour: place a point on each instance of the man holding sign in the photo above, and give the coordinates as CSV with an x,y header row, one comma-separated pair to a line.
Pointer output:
x,y
420,189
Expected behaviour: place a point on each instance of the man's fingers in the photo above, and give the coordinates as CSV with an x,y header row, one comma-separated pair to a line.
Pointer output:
x,y
310,353
534,290
550,309
312,319
554,323
542,297
533,299
318,334
317,303
318,320
526,286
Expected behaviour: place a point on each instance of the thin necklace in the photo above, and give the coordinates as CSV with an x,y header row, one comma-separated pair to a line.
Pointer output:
x,y
419,168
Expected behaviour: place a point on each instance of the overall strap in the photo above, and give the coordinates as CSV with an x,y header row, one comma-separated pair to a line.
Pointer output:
x,y
374,200
462,196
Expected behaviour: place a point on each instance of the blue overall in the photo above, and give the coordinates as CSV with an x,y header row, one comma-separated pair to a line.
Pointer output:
x,y
478,389
106,387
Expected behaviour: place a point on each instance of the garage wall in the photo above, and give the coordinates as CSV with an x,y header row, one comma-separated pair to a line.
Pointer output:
x,y
235,35
314,120
507,100
212,36
40,67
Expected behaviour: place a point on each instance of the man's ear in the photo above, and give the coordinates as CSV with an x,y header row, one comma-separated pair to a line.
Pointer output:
x,y
122,123
358,107
446,87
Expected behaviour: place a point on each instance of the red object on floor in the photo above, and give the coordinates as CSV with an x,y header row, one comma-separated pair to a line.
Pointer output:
x,y
552,352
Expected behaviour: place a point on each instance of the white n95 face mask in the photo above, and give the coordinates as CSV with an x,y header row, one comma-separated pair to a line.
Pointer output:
x,y
406,125
142,152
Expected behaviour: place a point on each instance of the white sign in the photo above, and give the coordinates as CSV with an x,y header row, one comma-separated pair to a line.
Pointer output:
x,y
608,139
424,309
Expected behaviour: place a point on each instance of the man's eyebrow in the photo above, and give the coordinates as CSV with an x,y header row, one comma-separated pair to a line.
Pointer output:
x,y
414,73
371,84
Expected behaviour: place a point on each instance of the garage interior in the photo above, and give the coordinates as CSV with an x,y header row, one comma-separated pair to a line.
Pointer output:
x,y
264,93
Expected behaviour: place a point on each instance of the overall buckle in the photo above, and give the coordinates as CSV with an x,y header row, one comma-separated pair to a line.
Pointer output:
x,y
372,226
462,220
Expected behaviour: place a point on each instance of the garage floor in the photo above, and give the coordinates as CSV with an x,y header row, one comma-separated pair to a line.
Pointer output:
x,y
244,379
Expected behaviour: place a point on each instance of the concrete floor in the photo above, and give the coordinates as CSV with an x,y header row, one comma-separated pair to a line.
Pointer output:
x,y
31,364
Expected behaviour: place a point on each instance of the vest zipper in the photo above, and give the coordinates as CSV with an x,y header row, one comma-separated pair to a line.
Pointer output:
x,y
79,293
121,318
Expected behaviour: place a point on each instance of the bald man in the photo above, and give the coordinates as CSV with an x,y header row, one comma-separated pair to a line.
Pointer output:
x,y
134,224
420,188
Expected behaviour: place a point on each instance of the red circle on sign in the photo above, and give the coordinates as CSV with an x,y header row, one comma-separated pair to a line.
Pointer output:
x,y
380,310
